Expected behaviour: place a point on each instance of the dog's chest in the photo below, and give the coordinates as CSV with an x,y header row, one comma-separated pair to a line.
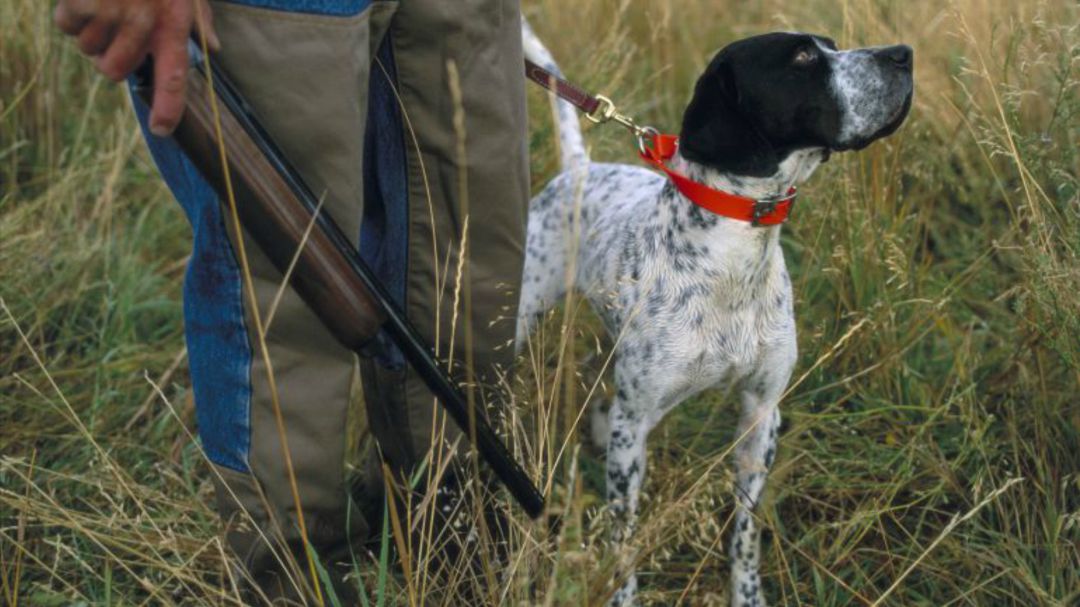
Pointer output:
x,y
722,332
693,303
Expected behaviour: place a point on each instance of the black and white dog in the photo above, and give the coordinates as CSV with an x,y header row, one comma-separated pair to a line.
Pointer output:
x,y
694,300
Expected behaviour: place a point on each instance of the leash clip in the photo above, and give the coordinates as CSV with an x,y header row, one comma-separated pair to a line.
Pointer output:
x,y
606,112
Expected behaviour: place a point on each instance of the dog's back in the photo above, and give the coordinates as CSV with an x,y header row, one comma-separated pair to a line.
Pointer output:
x,y
574,238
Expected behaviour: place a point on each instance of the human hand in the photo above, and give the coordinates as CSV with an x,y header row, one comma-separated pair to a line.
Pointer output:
x,y
118,35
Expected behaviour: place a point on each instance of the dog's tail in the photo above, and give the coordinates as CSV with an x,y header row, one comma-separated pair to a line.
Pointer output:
x,y
571,146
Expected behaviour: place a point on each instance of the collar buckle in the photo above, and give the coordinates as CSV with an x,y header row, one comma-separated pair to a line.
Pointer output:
x,y
763,207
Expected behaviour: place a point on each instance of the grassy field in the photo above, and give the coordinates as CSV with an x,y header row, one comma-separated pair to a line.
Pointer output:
x,y
931,449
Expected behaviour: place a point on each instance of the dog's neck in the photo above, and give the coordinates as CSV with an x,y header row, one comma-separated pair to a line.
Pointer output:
x,y
793,171
737,247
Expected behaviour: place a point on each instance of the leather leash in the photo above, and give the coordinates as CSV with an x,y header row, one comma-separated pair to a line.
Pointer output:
x,y
597,108
656,149
576,96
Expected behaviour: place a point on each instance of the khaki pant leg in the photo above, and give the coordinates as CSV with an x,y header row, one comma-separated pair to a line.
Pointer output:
x,y
483,41
480,174
306,77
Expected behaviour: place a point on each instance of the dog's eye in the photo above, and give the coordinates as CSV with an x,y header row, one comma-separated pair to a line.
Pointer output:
x,y
804,57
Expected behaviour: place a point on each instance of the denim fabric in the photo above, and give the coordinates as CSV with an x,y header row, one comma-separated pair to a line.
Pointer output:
x,y
318,7
219,354
384,230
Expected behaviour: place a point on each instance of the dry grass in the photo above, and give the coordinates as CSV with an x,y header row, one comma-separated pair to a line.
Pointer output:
x,y
931,451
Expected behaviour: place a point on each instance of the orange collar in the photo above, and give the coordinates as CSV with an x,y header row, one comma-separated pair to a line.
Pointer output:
x,y
759,212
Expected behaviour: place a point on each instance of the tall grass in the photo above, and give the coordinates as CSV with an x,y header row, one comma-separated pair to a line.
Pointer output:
x,y
931,449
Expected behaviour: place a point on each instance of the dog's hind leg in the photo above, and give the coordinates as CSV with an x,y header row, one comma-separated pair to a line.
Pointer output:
x,y
551,247
544,279
754,454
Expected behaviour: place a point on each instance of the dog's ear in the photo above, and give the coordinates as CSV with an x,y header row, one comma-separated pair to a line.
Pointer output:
x,y
717,133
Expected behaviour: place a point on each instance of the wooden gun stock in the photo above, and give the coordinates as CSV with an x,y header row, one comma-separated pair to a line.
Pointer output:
x,y
276,208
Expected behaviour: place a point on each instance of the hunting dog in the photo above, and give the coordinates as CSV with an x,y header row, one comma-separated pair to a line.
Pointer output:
x,y
692,299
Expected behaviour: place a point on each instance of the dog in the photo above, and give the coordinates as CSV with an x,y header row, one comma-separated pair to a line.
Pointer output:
x,y
695,300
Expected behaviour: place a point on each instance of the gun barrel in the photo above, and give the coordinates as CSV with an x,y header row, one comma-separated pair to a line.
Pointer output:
x,y
276,208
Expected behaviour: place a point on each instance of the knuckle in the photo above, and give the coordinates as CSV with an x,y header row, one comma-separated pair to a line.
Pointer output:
x,y
109,13
112,72
65,19
173,83
60,17
141,20
82,9
115,68
68,27
92,40
87,45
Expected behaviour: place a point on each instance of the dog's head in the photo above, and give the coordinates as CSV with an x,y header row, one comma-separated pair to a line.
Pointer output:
x,y
764,97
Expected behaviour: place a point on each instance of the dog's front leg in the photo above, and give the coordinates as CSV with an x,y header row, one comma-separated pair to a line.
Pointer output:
x,y
754,454
625,470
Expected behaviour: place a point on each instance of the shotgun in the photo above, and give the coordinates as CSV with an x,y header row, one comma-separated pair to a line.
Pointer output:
x,y
276,208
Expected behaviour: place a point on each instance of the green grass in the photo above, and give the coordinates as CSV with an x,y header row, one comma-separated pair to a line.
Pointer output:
x,y
931,448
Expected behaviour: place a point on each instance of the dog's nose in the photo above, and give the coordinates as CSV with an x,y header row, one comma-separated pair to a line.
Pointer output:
x,y
899,55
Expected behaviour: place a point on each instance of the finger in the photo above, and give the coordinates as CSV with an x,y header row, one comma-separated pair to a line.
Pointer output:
x,y
71,16
170,82
95,37
204,22
128,47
